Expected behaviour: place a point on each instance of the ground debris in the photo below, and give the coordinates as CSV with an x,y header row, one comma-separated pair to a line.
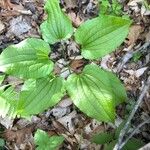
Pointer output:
x,y
18,26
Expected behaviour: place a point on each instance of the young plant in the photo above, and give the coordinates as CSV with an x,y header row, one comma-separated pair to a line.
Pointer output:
x,y
112,7
44,142
110,139
94,91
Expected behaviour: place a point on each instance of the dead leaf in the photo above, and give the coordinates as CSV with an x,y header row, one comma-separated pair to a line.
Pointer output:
x,y
65,102
6,4
59,112
104,62
70,3
2,27
65,72
76,20
136,73
67,121
61,129
18,26
18,136
13,80
13,9
140,71
134,34
77,64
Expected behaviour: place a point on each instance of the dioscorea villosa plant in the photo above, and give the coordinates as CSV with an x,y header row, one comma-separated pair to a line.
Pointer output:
x,y
94,91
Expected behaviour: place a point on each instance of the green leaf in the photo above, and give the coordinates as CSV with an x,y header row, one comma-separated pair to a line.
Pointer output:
x,y
38,95
101,35
132,144
96,92
8,102
28,59
45,142
2,143
57,26
113,8
137,56
102,138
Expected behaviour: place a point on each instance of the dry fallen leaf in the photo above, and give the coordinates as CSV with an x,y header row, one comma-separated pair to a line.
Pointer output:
x,y
77,64
2,27
13,9
76,20
66,102
134,34
18,136
6,4
70,3
18,26
136,73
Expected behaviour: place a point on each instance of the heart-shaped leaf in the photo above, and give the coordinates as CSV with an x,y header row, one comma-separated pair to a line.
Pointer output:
x,y
101,35
96,92
28,59
57,26
38,95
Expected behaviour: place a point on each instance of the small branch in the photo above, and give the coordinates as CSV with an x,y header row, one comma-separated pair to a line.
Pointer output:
x,y
124,130
130,54
133,132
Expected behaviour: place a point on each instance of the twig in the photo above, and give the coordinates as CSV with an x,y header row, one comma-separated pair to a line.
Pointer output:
x,y
133,132
130,54
125,128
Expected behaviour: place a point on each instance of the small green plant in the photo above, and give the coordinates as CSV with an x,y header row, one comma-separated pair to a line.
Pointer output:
x,y
2,144
94,91
45,142
146,4
137,56
110,139
113,7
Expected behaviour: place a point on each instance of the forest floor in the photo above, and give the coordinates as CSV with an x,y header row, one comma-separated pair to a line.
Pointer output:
x,y
20,19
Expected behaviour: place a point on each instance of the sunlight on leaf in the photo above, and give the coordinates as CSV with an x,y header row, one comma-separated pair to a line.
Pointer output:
x,y
102,35
42,93
57,27
28,59
96,92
